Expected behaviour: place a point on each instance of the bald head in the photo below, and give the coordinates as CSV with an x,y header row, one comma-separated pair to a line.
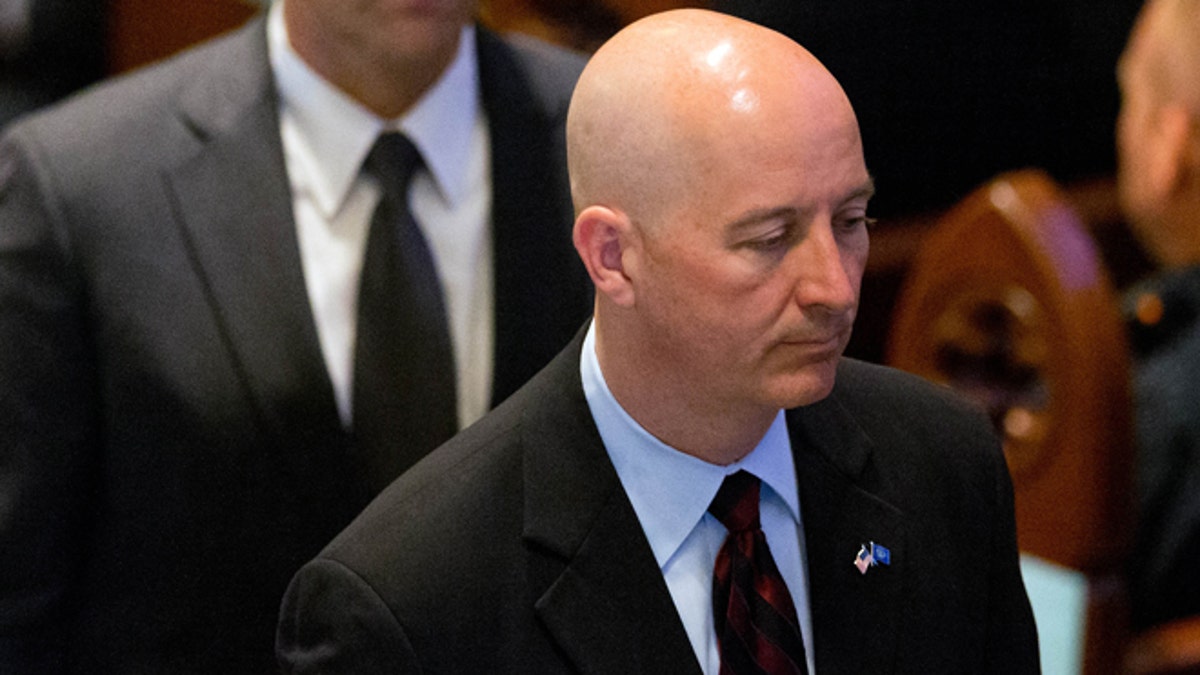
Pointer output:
x,y
668,93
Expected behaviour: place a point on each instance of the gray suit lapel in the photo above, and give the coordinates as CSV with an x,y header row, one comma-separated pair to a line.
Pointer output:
x,y
540,285
855,615
233,200
606,604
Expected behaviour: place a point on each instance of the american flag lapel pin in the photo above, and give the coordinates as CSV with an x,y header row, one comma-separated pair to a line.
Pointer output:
x,y
870,555
864,560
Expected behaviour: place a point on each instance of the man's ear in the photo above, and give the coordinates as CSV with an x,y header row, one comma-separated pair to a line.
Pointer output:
x,y
1171,144
602,238
1189,152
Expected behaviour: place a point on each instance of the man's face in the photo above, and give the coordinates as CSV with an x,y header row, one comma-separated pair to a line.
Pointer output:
x,y
751,284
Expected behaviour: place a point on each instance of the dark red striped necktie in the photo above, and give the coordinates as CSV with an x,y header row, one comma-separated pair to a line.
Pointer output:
x,y
757,630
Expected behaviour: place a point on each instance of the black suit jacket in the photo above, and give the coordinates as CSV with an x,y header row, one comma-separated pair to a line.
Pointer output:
x,y
171,450
514,549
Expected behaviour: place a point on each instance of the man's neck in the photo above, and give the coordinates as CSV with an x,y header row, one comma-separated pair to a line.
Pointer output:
x,y
714,431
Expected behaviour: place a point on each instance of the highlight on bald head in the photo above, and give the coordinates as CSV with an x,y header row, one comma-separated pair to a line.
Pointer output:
x,y
656,98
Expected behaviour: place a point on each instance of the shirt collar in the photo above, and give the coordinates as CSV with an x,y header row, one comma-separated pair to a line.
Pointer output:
x,y
441,123
339,131
670,490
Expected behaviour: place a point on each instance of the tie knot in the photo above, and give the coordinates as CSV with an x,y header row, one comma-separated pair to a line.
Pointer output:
x,y
736,503
393,160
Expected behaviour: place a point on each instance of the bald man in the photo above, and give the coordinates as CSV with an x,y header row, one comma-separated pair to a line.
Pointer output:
x,y
1158,142
721,199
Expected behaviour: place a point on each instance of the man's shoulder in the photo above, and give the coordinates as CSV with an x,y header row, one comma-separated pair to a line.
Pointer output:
x,y
898,409
1162,316
134,102
477,470
544,57
460,505
874,384
465,495
548,71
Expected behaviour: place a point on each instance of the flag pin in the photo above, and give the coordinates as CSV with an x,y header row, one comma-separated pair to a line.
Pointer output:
x,y
870,555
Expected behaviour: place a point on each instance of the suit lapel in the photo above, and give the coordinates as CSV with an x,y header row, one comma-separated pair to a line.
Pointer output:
x,y
606,604
537,273
854,614
241,233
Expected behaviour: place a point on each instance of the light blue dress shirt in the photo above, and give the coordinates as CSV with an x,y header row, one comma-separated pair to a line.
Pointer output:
x,y
670,492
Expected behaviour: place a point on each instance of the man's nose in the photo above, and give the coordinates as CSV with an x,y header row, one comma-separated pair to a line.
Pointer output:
x,y
825,273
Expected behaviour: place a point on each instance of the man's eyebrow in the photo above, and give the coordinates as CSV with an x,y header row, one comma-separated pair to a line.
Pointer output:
x,y
864,191
756,216
753,217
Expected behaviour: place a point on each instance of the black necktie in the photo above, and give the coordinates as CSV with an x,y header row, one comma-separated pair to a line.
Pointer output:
x,y
757,630
404,401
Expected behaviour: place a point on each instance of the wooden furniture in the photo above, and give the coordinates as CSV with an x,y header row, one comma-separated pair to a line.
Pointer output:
x,y
142,31
1008,301
1170,649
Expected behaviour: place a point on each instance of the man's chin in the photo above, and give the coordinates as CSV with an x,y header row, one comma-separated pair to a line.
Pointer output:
x,y
805,388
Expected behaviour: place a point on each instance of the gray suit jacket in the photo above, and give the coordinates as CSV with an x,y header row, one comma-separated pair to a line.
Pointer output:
x,y
170,450
514,549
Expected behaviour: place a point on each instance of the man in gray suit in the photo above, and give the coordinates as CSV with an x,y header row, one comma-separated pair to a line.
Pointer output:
x,y
721,211
180,253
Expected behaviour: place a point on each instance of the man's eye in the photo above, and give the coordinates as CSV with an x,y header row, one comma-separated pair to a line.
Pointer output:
x,y
857,223
769,243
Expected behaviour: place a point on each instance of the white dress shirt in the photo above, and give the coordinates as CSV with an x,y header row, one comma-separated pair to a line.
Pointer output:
x,y
326,137
671,491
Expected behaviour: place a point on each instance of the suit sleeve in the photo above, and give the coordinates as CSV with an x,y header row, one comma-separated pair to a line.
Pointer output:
x,y
1012,636
48,419
332,621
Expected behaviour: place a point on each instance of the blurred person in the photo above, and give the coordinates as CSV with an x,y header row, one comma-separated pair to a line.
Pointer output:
x,y
700,482
183,378
1158,179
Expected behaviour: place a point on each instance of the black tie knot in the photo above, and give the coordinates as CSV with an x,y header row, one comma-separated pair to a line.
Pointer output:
x,y
736,503
392,161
